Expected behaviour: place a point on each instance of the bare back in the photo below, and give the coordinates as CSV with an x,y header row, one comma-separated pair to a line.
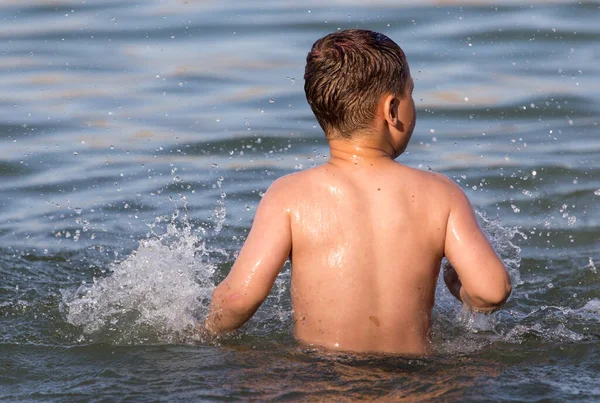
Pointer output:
x,y
366,239
367,245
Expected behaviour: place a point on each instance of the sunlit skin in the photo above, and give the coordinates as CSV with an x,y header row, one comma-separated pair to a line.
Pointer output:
x,y
365,236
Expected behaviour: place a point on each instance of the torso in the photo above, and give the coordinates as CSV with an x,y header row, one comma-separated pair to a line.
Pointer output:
x,y
367,245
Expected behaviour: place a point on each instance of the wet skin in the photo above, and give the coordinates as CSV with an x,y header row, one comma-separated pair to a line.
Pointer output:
x,y
365,236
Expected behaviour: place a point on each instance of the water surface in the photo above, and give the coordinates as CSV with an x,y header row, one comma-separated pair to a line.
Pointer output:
x,y
136,139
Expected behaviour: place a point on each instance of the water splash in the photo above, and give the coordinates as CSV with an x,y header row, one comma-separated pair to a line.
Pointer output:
x,y
220,212
556,324
275,315
161,291
501,239
155,295
455,329
558,333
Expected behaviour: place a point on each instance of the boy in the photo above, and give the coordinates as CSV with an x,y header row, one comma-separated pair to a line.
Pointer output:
x,y
365,234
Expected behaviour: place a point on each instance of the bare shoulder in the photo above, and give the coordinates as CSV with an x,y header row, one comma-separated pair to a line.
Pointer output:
x,y
434,181
450,189
290,182
286,188
433,191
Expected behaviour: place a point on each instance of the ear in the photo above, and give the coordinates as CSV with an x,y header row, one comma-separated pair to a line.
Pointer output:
x,y
390,110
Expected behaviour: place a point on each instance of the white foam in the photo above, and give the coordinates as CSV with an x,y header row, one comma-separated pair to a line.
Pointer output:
x,y
156,294
591,310
558,333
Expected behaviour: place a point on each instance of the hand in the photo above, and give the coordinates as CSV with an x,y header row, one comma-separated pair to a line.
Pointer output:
x,y
203,334
455,287
452,280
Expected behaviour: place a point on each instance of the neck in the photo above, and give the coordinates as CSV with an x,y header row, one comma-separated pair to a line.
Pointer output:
x,y
359,151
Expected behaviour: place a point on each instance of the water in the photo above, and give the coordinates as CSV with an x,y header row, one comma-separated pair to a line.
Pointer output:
x,y
136,139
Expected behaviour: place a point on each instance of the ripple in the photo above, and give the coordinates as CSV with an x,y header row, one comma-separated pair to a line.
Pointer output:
x,y
126,115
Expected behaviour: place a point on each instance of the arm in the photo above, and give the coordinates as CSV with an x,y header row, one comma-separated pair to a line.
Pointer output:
x,y
249,282
475,275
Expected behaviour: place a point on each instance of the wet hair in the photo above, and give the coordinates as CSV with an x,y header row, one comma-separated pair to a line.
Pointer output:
x,y
347,73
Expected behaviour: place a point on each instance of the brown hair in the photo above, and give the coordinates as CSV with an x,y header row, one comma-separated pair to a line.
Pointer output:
x,y
347,73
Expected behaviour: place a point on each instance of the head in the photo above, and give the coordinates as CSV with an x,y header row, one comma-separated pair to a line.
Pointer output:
x,y
355,76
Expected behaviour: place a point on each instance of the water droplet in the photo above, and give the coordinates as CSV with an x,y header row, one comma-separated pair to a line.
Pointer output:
x,y
597,192
272,100
515,208
214,165
592,265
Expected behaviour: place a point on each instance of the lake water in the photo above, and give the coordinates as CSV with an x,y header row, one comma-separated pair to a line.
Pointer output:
x,y
136,139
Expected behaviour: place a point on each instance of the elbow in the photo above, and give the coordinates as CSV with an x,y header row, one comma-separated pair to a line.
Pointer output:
x,y
234,303
491,300
228,311
498,298
501,293
507,289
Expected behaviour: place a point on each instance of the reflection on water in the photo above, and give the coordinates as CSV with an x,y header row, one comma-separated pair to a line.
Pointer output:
x,y
351,378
